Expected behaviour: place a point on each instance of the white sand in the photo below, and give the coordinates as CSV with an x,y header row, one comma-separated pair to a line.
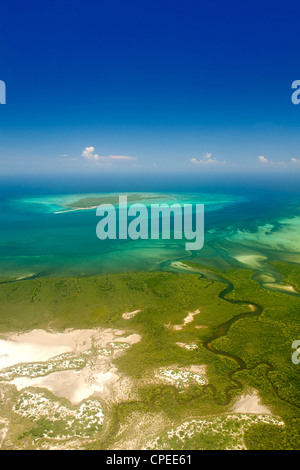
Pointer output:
x,y
253,261
182,376
181,265
250,403
129,315
73,385
188,346
99,376
40,345
188,319
13,353
280,287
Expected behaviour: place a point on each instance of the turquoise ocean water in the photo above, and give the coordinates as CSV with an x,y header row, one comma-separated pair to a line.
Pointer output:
x,y
244,226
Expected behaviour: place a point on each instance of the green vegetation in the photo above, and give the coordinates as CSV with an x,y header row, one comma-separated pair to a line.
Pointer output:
x,y
289,272
93,201
224,432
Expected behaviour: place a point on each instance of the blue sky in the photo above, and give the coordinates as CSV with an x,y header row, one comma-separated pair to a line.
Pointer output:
x,y
131,86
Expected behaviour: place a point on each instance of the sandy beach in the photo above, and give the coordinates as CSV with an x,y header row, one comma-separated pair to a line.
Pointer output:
x,y
21,358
